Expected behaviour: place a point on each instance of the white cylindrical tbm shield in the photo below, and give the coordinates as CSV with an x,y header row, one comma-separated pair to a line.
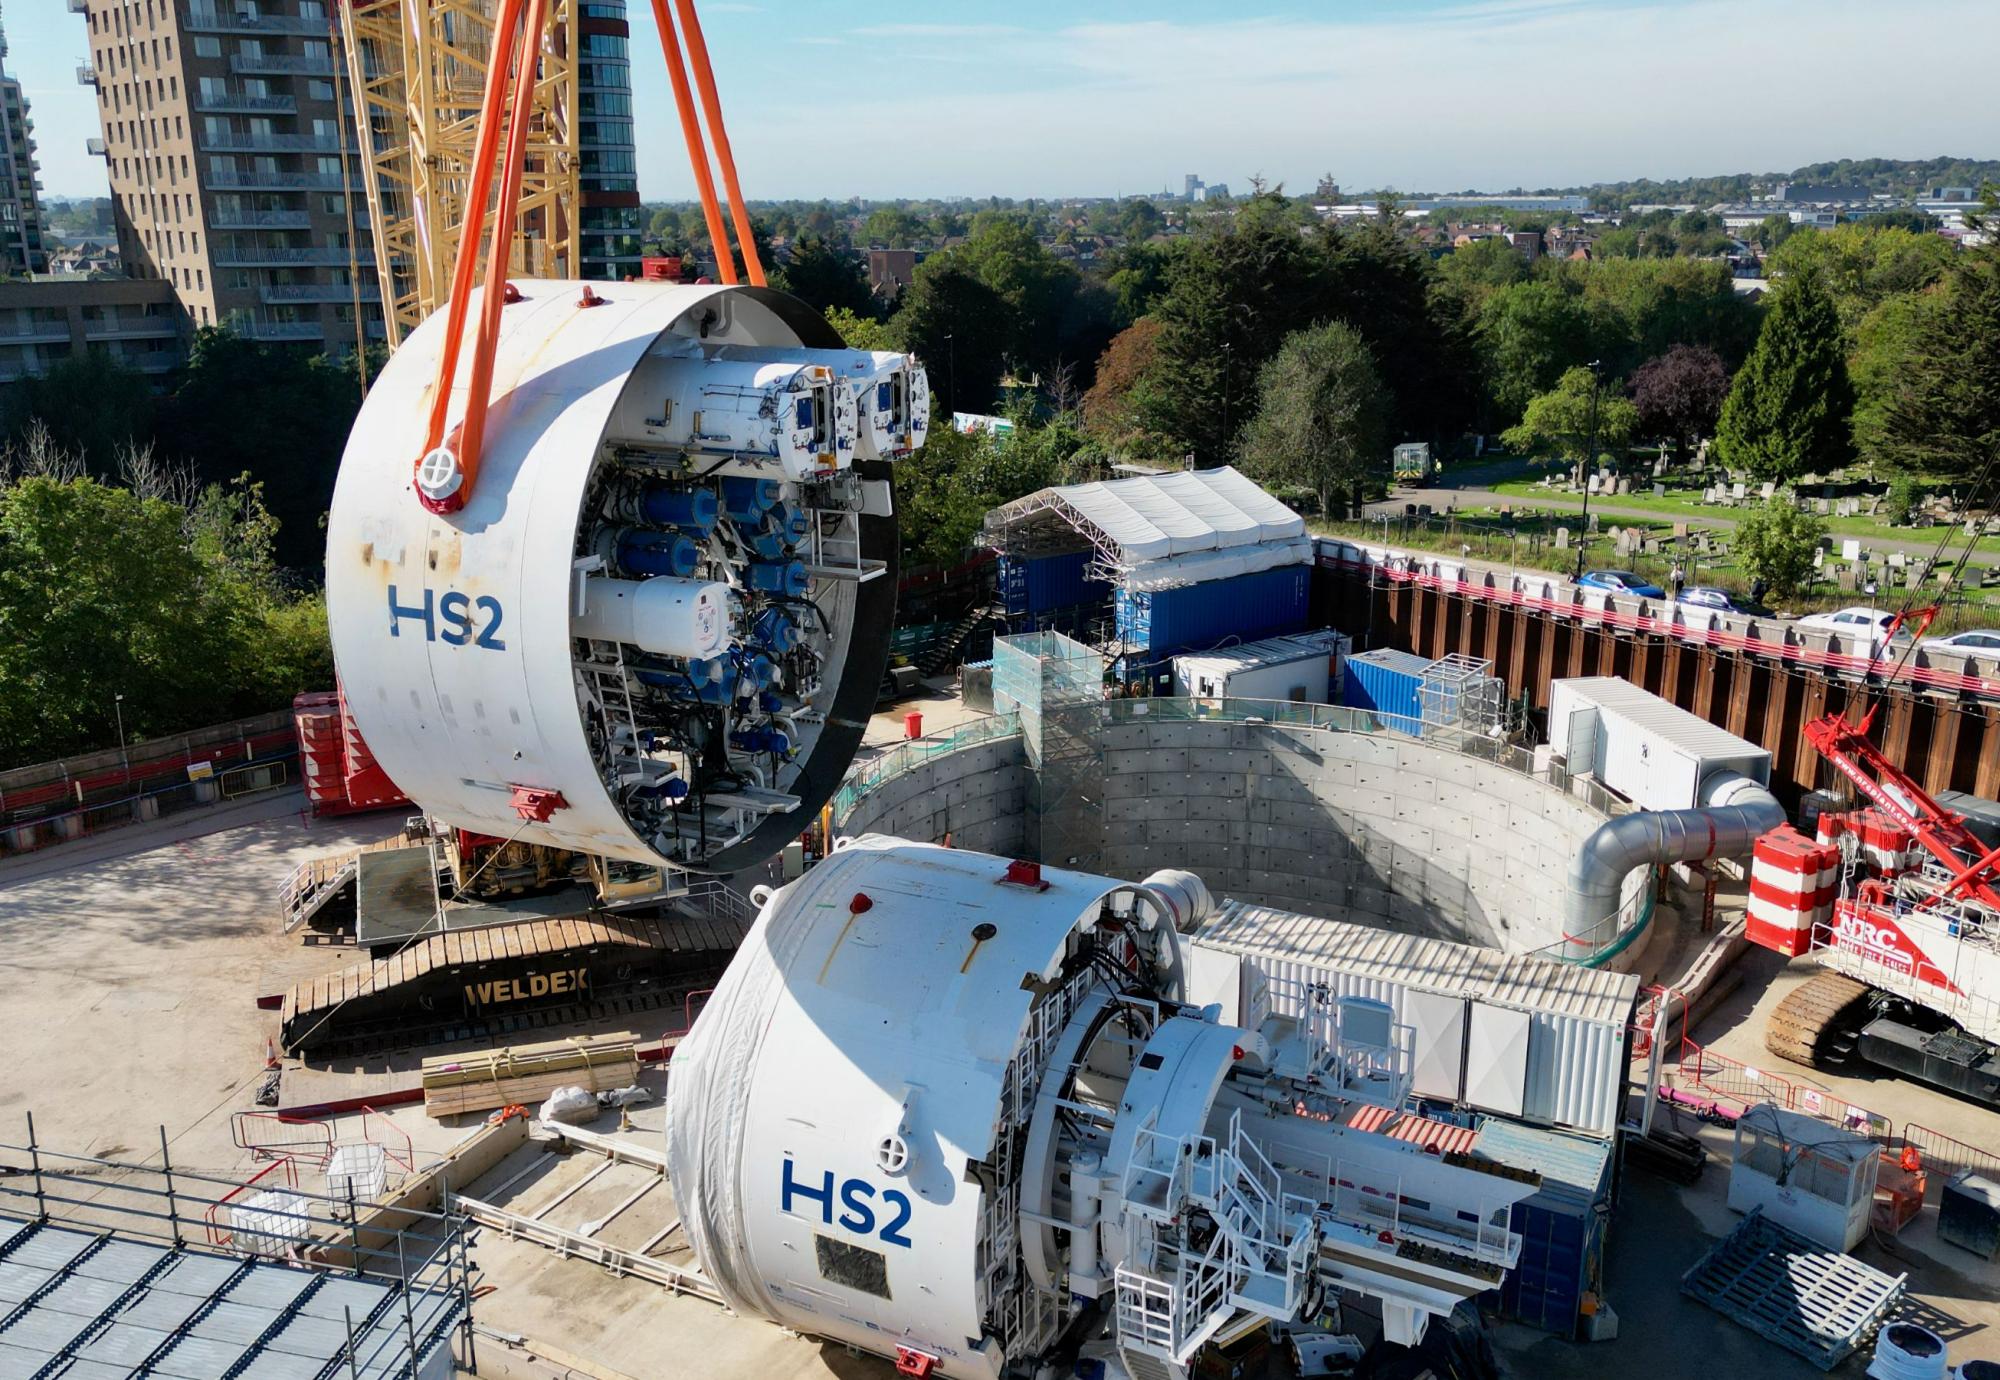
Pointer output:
x,y
663,610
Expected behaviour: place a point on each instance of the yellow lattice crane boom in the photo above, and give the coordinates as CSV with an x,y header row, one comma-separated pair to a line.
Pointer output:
x,y
417,70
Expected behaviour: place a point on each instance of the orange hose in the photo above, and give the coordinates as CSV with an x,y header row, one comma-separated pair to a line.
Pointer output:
x,y
704,179
467,264
711,104
479,390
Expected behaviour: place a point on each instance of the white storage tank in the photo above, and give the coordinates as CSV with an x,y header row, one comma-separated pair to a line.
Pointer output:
x,y
1516,1035
1302,667
1655,754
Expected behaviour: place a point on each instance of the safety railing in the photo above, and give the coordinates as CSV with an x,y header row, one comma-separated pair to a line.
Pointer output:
x,y
912,753
273,1136
1940,1152
1729,1087
1146,1311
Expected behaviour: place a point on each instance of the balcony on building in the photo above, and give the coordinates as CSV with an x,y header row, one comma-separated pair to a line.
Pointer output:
x,y
256,180
243,103
223,218
86,75
320,292
209,21
256,329
280,65
246,141
243,256
94,147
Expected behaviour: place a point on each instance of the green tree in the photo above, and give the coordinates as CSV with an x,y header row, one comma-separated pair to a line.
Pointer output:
x,y
1039,288
100,595
1788,412
1483,266
243,407
1773,231
1322,416
1861,264
825,275
963,330
1139,219
891,227
1560,422
91,404
1776,542
1136,279
1886,347
862,332
1944,416
1530,333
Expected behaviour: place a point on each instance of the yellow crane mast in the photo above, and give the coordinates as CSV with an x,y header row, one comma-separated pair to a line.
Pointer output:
x,y
416,71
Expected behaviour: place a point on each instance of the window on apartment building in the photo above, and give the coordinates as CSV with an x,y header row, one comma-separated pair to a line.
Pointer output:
x,y
316,48
330,166
311,9
207,46
319,90
250,47
170,48
156,52
327,129
200,283
334,204
605,46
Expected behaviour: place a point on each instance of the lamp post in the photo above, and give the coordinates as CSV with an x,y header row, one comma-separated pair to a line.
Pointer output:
x,y
1225,404
125,761
951,364
1596,367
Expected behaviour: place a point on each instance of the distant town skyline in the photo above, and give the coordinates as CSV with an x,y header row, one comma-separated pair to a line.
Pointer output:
x,y
932,99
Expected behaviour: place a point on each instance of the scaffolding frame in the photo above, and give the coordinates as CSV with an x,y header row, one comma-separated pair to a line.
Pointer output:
x,y
421,1259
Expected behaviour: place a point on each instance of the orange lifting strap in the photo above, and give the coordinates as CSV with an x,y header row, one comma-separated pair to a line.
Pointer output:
x,y
449,463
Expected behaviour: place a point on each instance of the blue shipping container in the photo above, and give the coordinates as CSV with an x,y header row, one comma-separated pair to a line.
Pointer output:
x,y
1197,617
1389,683
1034,584
1561,1227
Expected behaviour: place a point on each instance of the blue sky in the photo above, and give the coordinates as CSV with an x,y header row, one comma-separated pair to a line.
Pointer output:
x,y
1041,98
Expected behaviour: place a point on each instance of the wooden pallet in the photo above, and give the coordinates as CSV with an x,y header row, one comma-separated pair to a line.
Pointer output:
x,y
1820,1304
525,1075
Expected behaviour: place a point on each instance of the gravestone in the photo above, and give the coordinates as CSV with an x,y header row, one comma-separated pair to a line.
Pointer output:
x,y
1736,492
1767,490
1592,524
1562,538
1850,550
1659,490
1849,578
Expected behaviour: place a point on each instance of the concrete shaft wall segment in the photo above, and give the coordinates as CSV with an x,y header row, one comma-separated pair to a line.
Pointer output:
x,y
454,633
1374,828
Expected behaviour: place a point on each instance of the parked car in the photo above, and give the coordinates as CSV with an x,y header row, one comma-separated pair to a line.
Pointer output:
x,y
1975,642
1856,622
1621,582
1707,597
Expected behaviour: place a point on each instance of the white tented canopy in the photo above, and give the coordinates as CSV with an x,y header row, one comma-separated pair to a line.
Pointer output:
x,y
1159,530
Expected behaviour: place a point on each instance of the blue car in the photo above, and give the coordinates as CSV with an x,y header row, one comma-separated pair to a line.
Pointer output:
x,y
1621,582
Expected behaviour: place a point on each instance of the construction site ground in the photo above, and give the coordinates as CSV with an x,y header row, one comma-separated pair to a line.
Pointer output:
x,y
130,965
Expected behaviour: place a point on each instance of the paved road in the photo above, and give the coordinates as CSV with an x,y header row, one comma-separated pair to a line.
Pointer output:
x,y
1440,498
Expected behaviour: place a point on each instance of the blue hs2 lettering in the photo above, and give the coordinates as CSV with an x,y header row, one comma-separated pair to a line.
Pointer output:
x,y
855,1200
451,618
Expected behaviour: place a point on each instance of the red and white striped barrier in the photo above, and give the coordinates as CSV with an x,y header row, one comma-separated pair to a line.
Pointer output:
x,y
1793,883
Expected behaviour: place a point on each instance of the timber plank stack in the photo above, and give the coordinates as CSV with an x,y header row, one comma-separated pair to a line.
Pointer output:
x,y
525,1075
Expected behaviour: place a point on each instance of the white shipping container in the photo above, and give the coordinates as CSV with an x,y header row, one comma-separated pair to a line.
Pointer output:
x,y
1521,1036
1657,755
1301,667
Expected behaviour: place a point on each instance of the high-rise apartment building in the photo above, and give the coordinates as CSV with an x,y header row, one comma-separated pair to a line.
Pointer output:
x,y
21,248
225,131
609,228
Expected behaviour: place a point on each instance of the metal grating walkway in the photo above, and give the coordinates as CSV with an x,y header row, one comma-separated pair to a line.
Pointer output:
x,y
1821,1304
